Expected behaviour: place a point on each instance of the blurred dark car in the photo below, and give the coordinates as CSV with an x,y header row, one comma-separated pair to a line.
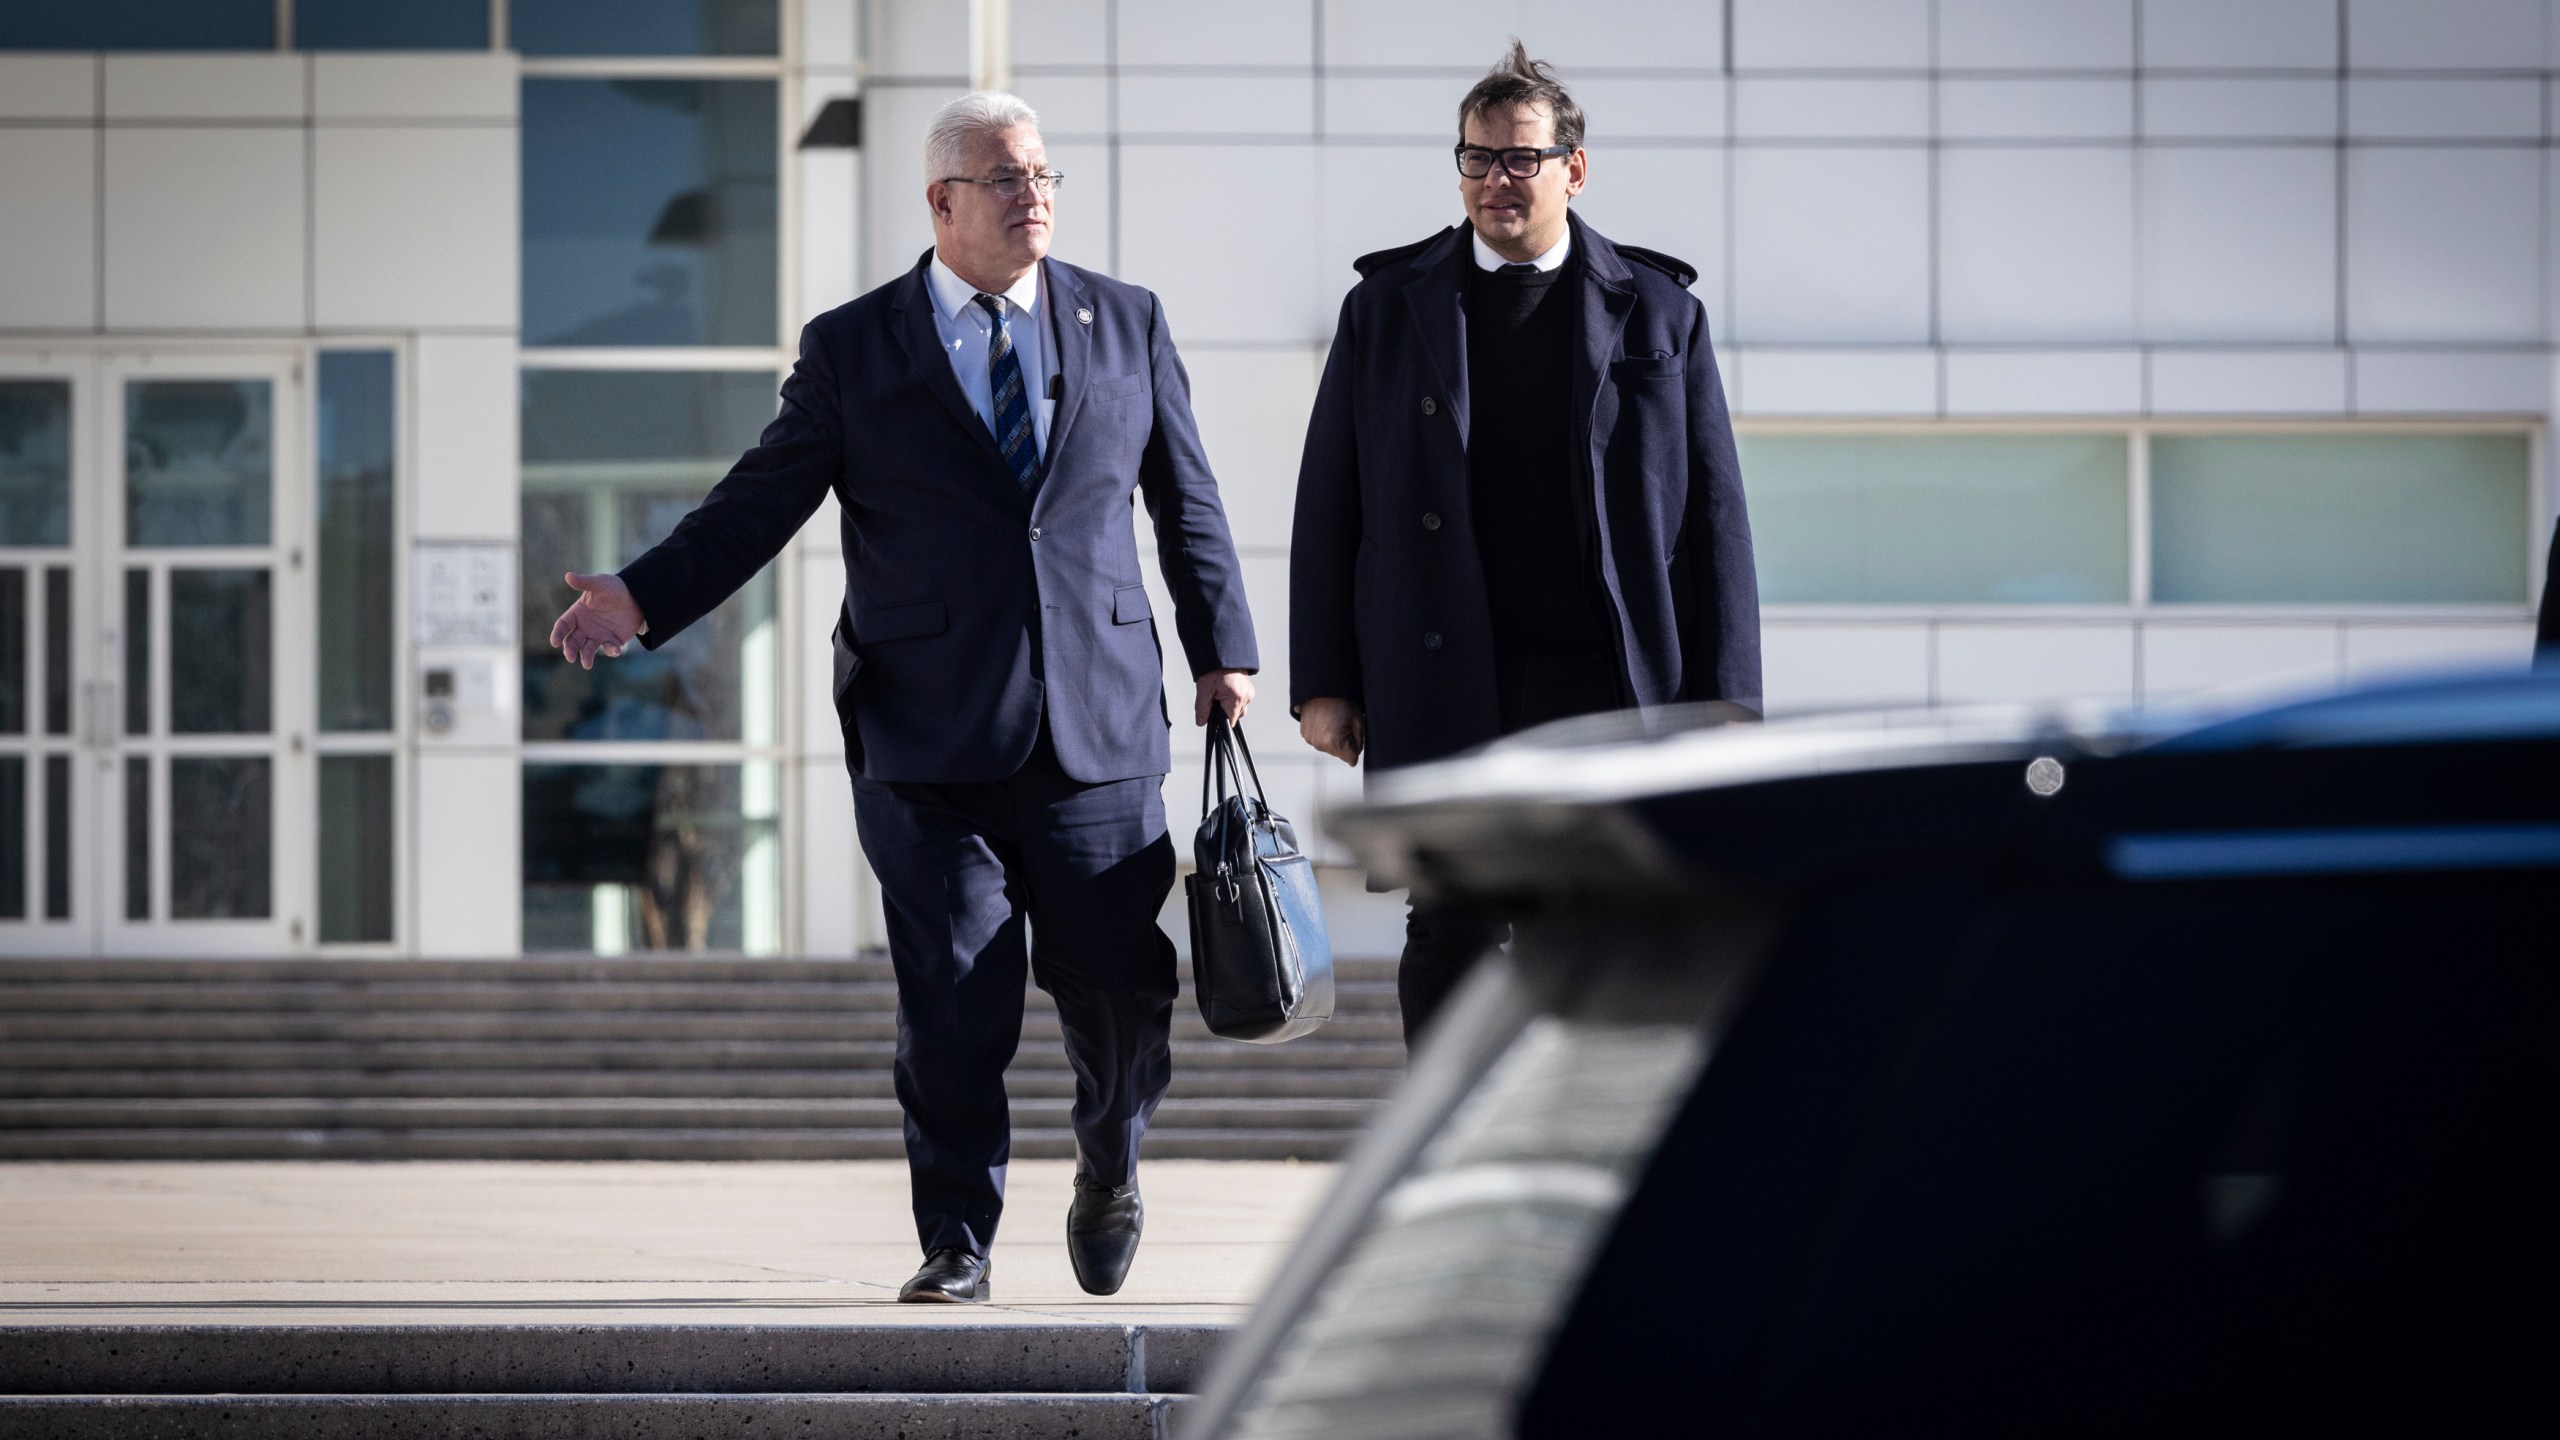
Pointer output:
x,y
1980,1074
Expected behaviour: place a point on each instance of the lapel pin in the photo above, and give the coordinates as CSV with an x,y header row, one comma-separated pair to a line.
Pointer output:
x,y
1084,317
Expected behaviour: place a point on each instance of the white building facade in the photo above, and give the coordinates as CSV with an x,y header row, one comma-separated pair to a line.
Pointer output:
x,y
2131,350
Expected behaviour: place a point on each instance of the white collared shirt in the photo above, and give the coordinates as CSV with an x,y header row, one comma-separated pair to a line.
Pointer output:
x,y
968,334
1488,258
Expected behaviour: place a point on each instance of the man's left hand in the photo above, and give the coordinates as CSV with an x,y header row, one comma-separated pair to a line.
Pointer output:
x,y
1229,690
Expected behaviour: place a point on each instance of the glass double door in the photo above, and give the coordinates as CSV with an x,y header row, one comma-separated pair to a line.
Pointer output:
x,y
149,579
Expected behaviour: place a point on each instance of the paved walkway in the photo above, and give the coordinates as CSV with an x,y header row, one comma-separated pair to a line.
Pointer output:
x,y
592,1243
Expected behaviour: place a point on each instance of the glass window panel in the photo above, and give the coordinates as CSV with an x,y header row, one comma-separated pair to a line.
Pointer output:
x,y
649,857
611,461
137,652
220,840
220,677
645,27
137,838
57,837
198,462
35,462
2340,519
356,441
1944,519
57,650
13,837
13,652
138,25
650,212
355,848
375,25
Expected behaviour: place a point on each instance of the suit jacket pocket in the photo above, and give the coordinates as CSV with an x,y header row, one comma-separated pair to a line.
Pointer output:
x,y
1129,605
903,621
1114,387
847,666
1637,368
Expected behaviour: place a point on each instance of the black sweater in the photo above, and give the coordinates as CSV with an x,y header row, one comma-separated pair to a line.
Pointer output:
x,y
1531,532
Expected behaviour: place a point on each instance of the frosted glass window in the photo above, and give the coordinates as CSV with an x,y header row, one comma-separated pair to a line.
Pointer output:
x,y
2339,519
1938,519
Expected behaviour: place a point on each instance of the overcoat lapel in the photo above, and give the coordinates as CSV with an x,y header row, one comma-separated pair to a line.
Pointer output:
x,y
1609,295
1437,298
923,344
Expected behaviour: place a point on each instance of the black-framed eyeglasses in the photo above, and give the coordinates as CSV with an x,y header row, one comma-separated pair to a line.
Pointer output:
x,y
1520,163
1011,186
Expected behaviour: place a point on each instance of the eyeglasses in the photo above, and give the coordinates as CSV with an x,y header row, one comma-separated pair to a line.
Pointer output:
x,y
1012,186
1476,162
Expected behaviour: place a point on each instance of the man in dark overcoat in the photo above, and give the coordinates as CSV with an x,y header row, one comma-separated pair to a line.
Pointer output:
x,y
1519,500
983,422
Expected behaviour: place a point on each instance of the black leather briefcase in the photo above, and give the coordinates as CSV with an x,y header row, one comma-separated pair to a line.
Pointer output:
x,y
1260,961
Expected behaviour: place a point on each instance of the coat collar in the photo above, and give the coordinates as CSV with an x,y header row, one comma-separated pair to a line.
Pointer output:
x,y
1436,296
1608,295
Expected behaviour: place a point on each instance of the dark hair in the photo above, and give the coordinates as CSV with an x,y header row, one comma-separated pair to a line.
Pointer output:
x,y
1518,81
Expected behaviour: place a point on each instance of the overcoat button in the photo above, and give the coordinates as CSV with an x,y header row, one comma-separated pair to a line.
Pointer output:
x,y
1430,406
1430,639
1035,534
1430,521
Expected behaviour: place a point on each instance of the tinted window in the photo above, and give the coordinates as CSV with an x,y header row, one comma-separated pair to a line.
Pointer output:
x,y
645,27
137,25
650,212
405,25
356,400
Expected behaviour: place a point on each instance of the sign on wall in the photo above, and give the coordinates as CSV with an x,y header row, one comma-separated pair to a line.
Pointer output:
x,y
466,594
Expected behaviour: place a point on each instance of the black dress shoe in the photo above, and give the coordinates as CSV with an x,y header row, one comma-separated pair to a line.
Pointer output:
x,y
950,1276
1102,1233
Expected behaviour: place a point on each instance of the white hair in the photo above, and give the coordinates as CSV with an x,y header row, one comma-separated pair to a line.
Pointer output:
x,y
957,126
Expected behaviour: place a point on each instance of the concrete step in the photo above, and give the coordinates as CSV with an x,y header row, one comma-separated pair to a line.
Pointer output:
x,y
548,1025
337,996
554,1113
1024,1080
498,1359
1318,1051
536,1143
589,1417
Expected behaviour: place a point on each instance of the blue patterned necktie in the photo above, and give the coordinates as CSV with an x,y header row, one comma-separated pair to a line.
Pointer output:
x,y
1012,404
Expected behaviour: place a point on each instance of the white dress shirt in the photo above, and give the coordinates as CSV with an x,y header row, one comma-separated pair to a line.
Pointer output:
x,y
968,336
1488,258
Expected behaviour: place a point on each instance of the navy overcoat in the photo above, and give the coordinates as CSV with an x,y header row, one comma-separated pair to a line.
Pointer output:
x,y
1386,595
973,609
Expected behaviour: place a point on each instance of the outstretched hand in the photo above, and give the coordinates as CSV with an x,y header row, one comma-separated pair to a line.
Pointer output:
x,y
604,619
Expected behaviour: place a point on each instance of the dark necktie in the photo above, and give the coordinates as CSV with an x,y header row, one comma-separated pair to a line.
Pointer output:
x,y
1519,267
1012,402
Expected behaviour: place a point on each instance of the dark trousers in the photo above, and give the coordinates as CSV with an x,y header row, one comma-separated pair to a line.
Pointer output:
x,y
1442,943
961,868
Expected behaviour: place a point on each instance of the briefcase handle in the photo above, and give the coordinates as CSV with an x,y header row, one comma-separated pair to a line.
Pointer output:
x,y
1226,742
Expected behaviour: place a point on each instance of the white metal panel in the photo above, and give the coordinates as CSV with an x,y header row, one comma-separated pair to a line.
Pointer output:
x,y
467,860
2036,245
440,85
1394,105
1469,35
2399,108
1666,199
2426,35
2035,663
48,228
466,441
2452,382
1376,197
2235,663
2444,244
830,30
2035,34
1185,32
2381,651
1068,104
48,87
917,38
1628,107
2257,35
2035,108
1218,105
2248,382
205,229
414,228
834,883
1055,32
206,87
1831,34
1829,666
2187,107
1842,382
2239,245
1819,108
2044,382
1832,246
1252,406
1222,279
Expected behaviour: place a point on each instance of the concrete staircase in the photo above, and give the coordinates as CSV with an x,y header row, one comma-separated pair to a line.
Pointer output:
x,y
1000,1381
590,1059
